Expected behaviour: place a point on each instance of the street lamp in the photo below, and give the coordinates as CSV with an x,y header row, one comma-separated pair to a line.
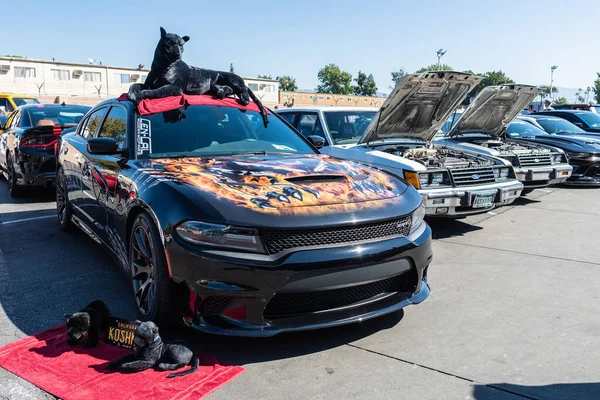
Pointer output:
x,y
440,53
552,79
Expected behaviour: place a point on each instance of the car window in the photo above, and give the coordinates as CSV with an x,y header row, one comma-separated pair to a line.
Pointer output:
x,y
16,118
289,117
90,126
115,126
5,107
558,125
518,129
212,131
9,121
309,124
347,127
590,118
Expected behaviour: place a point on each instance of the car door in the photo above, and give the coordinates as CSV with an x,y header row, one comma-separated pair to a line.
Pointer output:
x,y
101,181
80,173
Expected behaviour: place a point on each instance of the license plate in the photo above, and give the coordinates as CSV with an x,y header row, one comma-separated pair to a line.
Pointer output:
x,y
483,200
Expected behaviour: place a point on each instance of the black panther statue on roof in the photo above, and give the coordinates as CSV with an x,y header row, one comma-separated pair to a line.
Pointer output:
x,y
171,76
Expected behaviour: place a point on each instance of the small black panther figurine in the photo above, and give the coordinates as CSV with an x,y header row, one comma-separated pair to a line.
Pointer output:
x,y
92,320
150,351
171,76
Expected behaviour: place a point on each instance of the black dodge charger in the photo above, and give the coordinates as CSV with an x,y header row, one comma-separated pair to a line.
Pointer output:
x,y
29,140
236,228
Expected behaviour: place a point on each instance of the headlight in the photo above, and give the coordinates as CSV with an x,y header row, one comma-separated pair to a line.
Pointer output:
x,y
417,218
437,177
557,158
504,172
214,235
496,173
424,179
412,178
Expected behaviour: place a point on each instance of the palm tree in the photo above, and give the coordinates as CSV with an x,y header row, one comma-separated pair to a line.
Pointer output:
x,y
578,94
587,94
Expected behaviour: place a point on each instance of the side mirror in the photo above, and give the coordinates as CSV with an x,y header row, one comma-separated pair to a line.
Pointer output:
x,y
317,141
103,146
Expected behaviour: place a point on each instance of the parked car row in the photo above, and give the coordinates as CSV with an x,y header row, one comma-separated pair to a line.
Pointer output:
x,y
314,220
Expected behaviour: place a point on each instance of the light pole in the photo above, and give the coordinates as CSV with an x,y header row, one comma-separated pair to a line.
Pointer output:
x,y
552,80
440,53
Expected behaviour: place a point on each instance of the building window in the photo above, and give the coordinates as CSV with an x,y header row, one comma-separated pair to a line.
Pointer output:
x,y
24,72
349,98
341,99
143,79
312,97
122,78
253,86
92,77
295,96
285,96
321,97
303,97
269,88
61,74
366,100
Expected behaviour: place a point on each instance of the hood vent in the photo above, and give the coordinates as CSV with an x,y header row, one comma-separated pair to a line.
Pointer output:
x,y
307,179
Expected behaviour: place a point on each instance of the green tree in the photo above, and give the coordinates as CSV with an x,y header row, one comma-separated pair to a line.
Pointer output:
x,y
287,83
546,90
396,76
434,67
561,100
231,69
334,80
596,88
491,78
365,85
264,76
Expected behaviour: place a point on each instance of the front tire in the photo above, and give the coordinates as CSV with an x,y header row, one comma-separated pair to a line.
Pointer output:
x,y
63,205
14,188
149,271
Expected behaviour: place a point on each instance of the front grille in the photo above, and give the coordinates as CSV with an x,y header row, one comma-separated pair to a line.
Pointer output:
x,y
289,304
213,305
472,176
534,160
278,240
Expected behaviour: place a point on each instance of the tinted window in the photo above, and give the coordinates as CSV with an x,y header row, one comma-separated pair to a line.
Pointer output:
x,y
5,107
518,129
558,125
590,118
90,126
289,117
309,124
212,131
65,116
115,126
21,101
348,127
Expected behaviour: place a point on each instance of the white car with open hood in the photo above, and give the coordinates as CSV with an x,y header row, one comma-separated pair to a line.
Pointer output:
x,y
482,128
397,138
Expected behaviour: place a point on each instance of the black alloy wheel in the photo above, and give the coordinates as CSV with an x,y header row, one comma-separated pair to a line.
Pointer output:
x,y
63,206
13,188
149,271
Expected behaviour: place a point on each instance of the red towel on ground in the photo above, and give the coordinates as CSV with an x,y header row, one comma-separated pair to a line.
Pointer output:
x,y
153,106
75,372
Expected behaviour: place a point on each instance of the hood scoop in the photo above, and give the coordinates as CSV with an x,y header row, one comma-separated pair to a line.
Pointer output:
x,y
308,179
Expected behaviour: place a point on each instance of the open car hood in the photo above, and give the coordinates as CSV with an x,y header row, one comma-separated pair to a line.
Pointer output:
x,y
419,105
494,108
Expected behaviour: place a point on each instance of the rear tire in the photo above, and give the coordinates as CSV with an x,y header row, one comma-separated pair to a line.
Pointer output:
x,y
64,209
150,278
14,188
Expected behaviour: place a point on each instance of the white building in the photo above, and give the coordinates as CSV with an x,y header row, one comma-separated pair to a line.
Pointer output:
x,y
90,83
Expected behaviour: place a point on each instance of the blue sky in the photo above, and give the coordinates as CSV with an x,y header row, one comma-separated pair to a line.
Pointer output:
x,y
522,38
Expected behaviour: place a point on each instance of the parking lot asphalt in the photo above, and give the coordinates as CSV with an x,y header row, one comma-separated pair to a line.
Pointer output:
x,y
513,312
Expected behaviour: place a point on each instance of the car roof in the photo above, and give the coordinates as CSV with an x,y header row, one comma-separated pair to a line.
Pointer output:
x,y
563,111
53,105
9,94
328,108
540,116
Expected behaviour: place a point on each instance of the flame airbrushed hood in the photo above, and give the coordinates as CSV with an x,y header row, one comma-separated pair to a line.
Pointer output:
x,y
283,185
494,108
419,105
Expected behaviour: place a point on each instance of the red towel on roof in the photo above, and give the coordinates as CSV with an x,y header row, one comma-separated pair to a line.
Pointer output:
x,y
153,106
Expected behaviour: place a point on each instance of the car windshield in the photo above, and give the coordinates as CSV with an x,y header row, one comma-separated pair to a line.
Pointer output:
x,y
201,131
347,127
596,109
590,118
57,115
558,125
521,129
21,101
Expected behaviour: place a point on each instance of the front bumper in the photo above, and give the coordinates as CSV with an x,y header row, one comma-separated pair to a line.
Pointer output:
x,y
254,296
458,201
585,173
539,177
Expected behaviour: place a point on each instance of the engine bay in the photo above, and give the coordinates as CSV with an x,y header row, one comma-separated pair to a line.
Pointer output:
x,y
509,148
433,157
